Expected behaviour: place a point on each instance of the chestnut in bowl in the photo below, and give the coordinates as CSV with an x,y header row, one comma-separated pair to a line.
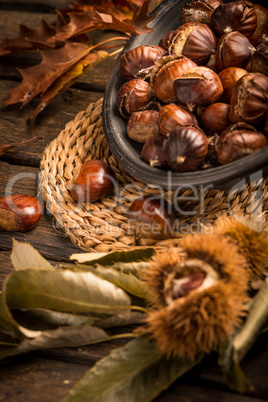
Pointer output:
x,y
128,152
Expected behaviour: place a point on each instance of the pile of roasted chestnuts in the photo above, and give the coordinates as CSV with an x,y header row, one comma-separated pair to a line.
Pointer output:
x,y
199,98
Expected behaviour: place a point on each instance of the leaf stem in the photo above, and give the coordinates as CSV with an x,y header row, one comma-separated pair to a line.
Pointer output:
x,y
108,40
115,52
139,308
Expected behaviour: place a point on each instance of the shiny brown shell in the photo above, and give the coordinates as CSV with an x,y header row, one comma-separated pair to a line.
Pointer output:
x,y
197,87
185,148
171,116
249,99
234,145
138,62
234,16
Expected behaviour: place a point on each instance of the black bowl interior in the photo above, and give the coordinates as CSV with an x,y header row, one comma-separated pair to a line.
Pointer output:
x,y
127,152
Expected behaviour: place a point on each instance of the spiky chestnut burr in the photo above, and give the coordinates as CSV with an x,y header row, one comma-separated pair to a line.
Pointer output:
x,y
198,295
253,244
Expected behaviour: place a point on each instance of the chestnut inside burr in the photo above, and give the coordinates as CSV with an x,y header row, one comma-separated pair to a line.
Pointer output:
x,y
192,275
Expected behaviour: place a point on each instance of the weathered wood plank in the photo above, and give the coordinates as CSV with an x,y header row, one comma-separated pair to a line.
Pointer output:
x,y
13,126
34,5
37,379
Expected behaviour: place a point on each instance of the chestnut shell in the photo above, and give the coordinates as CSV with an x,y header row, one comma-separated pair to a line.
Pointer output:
x,y
249,99
200,42
197,87
138,62
235,16
234,145
152,216
95,181
185,148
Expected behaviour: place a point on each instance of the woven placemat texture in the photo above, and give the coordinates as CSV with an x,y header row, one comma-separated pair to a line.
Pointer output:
x,y
102,226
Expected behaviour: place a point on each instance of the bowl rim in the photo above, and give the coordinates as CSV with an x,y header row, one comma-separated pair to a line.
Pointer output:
x,y
124,149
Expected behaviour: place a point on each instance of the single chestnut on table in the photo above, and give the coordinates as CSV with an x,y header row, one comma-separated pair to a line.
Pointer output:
x,y
151,216
95,181
19,213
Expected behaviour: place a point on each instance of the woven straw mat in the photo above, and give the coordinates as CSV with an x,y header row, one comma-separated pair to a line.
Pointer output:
x,y
102,226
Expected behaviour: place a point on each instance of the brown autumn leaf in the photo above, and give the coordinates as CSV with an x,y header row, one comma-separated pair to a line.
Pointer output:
x,y
138,25
7,147
28,39
141,18
79,24
67,79
37,79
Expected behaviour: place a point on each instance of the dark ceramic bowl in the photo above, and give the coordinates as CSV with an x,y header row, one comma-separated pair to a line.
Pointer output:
x,y
127,151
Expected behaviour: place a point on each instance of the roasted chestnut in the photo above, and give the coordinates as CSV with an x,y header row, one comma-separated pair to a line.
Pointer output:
x,y
151,216
259,60
214,118
171,116
165,40
132,95
95,181
262,24
166,70
143,125
234,16
233,50
197,11
153,153
235,144
138,62
194,40
185,148
197,87
249,99
229,76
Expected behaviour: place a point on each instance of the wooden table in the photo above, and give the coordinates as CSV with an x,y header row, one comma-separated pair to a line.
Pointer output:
x,y
47,376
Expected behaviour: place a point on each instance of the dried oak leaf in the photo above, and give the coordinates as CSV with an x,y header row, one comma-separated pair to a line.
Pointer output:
x,y
124,6
67,79
78,24
138,25
29,39
37,79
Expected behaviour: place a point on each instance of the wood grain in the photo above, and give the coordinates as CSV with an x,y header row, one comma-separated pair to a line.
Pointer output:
x,y
13,123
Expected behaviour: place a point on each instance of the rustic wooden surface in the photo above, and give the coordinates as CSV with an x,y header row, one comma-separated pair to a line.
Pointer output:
x,y
47,375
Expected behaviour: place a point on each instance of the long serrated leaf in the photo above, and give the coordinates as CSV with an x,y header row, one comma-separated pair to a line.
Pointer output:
x,y
62,337
41,319
255,322
235,350
127,281
114,256
136,372
63,290
7,323
24,256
